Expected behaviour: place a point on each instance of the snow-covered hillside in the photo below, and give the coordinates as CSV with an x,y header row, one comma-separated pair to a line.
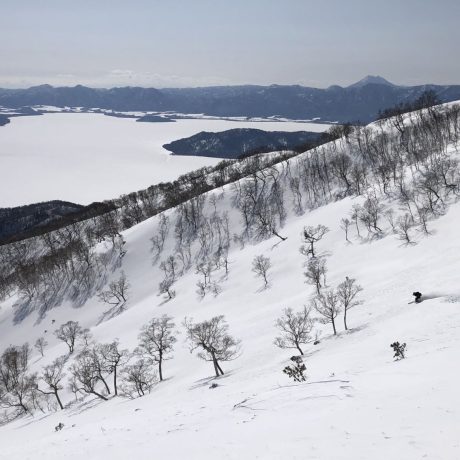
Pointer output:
x,y
357,402
85,157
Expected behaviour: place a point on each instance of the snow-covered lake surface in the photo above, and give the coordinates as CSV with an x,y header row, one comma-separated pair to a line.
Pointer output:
x,y
84,157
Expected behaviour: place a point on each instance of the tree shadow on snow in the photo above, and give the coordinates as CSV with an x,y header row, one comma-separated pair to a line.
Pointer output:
x,y
208,381
82,406
111,313
78,289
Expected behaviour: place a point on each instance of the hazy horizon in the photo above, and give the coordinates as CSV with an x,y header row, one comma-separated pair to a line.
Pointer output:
x,y
217,43
207,86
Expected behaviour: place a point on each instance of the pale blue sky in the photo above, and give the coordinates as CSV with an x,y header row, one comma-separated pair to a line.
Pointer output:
x,y
169,43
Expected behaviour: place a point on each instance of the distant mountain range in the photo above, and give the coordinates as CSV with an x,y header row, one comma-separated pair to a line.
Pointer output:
x,y
238,142
358,102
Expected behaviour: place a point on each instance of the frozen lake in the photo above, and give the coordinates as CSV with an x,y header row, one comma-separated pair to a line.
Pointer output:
x,y
85,157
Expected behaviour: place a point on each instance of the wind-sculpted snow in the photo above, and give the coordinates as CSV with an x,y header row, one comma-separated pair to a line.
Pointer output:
x,y
357,403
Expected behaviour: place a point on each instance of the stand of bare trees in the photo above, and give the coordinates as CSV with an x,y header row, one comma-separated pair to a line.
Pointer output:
x,y
404,158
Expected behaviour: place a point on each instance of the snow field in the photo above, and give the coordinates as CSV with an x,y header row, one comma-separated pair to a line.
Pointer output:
x,y
357,403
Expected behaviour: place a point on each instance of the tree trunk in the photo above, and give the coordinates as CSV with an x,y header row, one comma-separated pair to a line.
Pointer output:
x,y
219,368
58,399
105,384
345,319
115,388
160,369
216,370
333,326
279,236
94,392
300,349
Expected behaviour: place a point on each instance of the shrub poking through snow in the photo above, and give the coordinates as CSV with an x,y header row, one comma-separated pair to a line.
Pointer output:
x,y
296,370
399,349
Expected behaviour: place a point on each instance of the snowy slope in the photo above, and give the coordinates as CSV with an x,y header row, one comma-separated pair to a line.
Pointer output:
x,y
357,402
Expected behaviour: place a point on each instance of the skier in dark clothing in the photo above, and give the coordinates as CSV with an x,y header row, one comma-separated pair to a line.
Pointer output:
x,y
418,297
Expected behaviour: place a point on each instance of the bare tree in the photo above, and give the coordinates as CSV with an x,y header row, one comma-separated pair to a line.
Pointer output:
x,y
316,273
68,333
311,236
52,375
158,240
170,266
345,225
213,339
17,385
389,215
85,376
260,266
354,214
156,341
370,214
73,387
347,292
86,337
423,215
201,289
327,305
215,288
138,378
403,225
113,357
295,328
40,345
205,267
117,293
165,288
